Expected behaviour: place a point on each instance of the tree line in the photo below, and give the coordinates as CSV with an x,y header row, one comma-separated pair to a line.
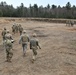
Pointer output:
x,y
52,11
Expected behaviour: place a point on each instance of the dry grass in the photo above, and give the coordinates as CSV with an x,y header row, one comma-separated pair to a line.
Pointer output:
x,y
57,56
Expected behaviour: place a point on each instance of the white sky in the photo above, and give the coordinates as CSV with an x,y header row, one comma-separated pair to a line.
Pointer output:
x,y
26,3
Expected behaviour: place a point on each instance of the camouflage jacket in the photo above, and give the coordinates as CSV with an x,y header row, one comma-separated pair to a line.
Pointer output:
x,y
34,43
24,38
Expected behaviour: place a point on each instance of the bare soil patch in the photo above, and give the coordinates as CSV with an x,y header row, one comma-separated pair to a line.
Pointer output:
x,y
57,56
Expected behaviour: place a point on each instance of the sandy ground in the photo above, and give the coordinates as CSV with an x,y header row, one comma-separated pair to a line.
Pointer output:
x,y
57,56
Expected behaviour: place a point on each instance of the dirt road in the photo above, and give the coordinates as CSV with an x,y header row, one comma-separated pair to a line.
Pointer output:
x,y
57,56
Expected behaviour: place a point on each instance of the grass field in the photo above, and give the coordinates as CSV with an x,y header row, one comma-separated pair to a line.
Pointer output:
x,y
57,55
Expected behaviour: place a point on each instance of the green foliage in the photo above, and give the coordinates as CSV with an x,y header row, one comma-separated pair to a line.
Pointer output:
x,y
54,6
34,11
1,13
68,6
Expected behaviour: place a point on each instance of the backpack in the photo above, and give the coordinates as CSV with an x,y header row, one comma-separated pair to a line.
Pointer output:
x,y
24,38
8,43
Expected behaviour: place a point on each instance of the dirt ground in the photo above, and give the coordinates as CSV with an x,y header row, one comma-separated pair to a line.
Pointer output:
x,y
57,55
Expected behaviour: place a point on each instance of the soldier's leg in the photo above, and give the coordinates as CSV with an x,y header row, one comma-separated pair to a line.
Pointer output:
x,y
3,38
34,52
24,49
4,44
14,31
7,55
34,55
10,55
20,32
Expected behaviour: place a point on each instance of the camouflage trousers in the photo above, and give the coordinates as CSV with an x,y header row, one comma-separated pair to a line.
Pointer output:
x,y
34,52
9,54
20,32
14,31
34,49
3,38
24,46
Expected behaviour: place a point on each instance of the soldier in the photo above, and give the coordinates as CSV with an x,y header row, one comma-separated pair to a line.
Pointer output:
x,y
4,33
8,46
68,23
34,45
20,29
24,39
8,35
72,23
16,28
13,29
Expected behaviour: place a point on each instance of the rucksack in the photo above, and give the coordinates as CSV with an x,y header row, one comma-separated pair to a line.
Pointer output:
x,y
24,38
8,43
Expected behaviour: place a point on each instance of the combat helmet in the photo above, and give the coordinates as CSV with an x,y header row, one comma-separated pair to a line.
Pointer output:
x,y
24,31
7,31
4,28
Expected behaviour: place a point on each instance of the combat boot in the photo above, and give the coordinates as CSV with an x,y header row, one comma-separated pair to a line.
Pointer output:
x,y
33,59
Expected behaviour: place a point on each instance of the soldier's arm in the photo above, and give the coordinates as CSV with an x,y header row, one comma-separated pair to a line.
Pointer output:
x,y
38,44
39,47
11,37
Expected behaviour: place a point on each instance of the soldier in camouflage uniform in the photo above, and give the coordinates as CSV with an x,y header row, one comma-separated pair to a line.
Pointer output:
x,y
4,33
8,35
34,45
8,46
20,29
14,29
24,39
68,23
72,23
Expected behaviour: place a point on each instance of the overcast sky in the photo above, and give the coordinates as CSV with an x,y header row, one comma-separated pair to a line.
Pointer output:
x,y
26,3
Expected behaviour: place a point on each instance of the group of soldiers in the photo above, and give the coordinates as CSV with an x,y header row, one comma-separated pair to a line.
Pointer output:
x,y
8,42
70,23
17,28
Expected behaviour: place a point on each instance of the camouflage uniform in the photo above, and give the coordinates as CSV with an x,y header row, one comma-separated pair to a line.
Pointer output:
x,y
16,28
72,23
8,46
13,29
20,29
68,23
4,33
34,44
8,35
24,39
